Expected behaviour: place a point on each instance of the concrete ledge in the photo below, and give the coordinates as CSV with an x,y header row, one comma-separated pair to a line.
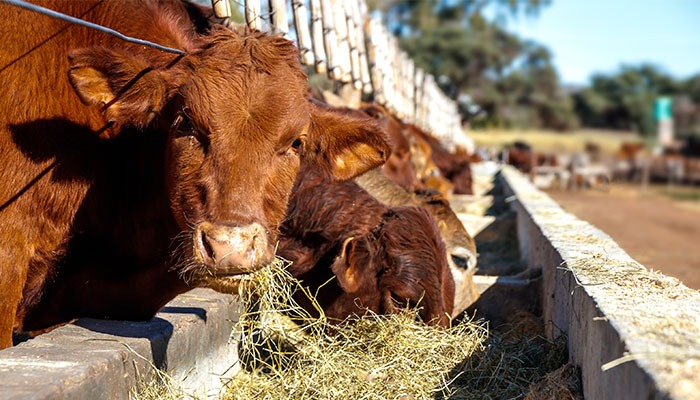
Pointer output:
x,y
99,359
634,333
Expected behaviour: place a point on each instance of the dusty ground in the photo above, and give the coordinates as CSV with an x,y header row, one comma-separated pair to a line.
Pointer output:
x,y
660,232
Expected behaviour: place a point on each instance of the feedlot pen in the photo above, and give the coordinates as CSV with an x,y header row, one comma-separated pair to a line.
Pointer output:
x,y
632,333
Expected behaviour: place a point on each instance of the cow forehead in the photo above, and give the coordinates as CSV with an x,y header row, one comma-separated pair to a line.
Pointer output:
x,y
251,80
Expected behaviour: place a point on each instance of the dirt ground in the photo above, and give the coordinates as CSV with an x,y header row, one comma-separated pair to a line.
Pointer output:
x,y
660,232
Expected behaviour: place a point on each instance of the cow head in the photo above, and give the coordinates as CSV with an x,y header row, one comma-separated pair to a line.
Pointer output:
x,y
238,125
460,245
401,264
400,166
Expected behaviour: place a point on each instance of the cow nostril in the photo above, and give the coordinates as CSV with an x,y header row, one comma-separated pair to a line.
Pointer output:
x,y
231,249
205,248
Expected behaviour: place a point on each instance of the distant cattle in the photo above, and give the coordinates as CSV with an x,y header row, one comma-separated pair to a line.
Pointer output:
x,y
130,175
411,163
383,258
459,244
399,166
428,173
455,167
520,155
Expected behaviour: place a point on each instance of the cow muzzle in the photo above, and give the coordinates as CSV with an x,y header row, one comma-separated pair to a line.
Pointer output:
x,y
231,250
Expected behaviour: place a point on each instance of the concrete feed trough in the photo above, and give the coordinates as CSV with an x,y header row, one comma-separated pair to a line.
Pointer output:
x,y
634,334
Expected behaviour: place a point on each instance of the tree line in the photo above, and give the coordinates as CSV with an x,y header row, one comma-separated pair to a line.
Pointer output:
x,y
501,80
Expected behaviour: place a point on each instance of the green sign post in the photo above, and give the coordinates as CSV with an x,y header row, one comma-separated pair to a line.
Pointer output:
x,y
663,114
663,109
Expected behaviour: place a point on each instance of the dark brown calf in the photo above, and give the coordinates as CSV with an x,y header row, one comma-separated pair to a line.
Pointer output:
x,y
126,168
459,244
384,258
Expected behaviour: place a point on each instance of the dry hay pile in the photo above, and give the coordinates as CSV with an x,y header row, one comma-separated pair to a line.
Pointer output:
x,y
287,354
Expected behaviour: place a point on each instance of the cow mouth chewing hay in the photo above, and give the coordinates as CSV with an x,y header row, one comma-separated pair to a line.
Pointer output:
x,y
217,276
229,284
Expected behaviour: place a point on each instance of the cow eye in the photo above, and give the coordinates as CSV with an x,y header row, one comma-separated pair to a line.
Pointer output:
x,y
399,302
183,124
184,128
296,147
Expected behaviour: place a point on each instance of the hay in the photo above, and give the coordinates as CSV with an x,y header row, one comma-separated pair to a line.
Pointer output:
x,y
561,384
287,354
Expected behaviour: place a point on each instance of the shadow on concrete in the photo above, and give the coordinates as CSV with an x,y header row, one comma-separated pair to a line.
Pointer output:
x,y
199,312
157,331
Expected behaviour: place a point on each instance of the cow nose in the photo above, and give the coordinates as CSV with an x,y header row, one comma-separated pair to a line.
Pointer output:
x,y
231,250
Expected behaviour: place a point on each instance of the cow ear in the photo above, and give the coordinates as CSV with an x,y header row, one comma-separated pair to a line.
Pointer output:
x,y
344,146
125,88
345,269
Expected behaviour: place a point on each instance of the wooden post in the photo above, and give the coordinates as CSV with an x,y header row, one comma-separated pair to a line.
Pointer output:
x,y
317,37
359,13
410,90
330,41
395,66
353,37
301,26
399,67
374,55
341,35
222,8
278,13
253,16
418,97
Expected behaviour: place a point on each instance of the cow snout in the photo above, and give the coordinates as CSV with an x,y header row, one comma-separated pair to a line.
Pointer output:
x,y
231,250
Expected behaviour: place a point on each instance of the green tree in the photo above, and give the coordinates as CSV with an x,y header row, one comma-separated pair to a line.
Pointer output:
x,y
512,81
624,100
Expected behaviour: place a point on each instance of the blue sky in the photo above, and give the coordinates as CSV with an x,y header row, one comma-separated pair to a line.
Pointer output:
x,y
589,36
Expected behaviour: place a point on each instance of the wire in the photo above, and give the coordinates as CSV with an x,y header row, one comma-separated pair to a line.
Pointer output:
x,y
78,21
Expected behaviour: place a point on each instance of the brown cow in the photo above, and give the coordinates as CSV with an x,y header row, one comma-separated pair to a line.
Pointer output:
x,y
455,167
410,164
162,166
387,188
384,258
400,166
459,244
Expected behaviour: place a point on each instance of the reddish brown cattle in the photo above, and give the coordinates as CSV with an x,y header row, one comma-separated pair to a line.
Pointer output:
x,y
127,168
410,164
459,244
384,186
455,167
384,258
519,155
399,167
628,163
